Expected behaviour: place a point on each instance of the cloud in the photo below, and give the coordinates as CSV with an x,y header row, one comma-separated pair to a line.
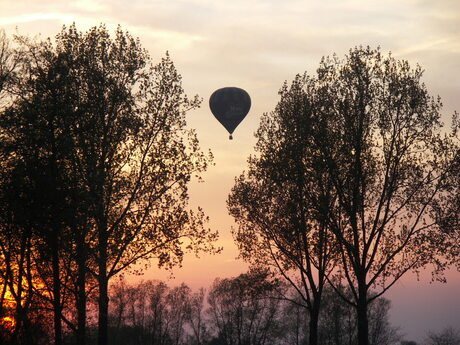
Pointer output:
x,y
33,17
258,43
89,6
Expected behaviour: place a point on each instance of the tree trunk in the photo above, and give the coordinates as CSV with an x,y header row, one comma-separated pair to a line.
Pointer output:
x,y
297,326
81,291
363,324
57,308
103,287
313,323
54,234
3,293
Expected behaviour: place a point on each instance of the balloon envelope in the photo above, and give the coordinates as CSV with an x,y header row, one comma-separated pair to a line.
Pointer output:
x,y
230,105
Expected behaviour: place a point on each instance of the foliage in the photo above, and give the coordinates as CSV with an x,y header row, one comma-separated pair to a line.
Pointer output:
x,y
282,203
370,135
96,139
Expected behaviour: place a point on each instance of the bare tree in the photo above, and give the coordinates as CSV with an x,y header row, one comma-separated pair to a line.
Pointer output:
x,y
245,309
448,336
197,319
149,312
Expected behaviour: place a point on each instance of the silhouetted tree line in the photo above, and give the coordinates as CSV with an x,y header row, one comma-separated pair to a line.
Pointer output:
x,y
355,181
243,310
95,161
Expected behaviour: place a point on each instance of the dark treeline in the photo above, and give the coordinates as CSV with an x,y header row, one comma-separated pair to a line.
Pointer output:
x,y
354,182
95,162
244,310
250,309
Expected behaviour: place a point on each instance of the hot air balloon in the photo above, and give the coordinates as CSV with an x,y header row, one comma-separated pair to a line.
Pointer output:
x,y
230,106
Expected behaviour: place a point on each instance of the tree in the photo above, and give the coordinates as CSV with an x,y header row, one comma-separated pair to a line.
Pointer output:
x,y
374,136
7,68
136,155
447,209
338,321
379,134
38,137
447,336
18,294
149,312
295,322
196,319
9,61
282,205
245,310
120,155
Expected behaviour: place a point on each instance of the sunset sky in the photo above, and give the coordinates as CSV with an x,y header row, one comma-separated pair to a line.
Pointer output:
x,y
257,45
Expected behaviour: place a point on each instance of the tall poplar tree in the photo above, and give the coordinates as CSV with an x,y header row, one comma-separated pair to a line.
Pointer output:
x,y
113,134
282,205
373,146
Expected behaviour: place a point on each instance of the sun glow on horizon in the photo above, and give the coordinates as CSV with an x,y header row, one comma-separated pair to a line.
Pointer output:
x,y
8,322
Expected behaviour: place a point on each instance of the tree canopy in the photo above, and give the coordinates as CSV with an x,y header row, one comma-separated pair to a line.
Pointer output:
x,y
96,134
364,138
